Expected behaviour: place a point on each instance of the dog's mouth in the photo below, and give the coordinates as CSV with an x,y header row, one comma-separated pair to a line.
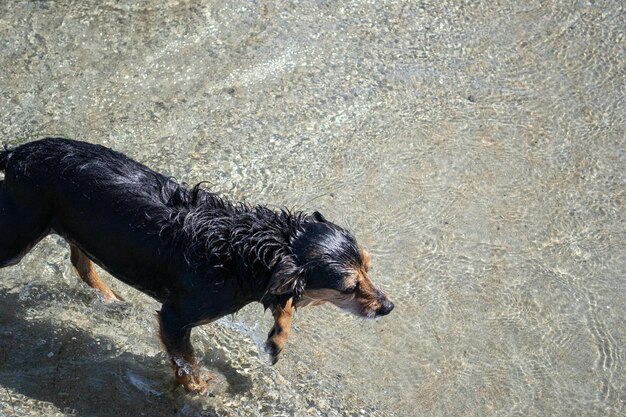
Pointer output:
x,y
385,308
357,304
381,308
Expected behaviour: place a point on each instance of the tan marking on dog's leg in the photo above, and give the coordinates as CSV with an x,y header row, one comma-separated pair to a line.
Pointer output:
x,y
277,338
86,271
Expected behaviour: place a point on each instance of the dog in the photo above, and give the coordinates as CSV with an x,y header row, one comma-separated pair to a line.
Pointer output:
x,y
198,254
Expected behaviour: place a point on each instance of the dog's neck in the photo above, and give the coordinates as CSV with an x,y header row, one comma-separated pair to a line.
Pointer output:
x,y
256,236
261,238
260,246
253,241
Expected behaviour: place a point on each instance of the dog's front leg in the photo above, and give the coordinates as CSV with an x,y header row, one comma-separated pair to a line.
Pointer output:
x,y
175,334
277,337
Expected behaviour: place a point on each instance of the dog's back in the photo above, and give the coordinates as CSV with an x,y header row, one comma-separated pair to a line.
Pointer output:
x,y
90,195
52,159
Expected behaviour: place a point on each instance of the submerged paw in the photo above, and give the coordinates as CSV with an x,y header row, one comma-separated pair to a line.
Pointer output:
x,y
272,349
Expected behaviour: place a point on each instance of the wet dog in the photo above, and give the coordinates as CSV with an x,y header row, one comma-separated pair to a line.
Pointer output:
x,y
198,254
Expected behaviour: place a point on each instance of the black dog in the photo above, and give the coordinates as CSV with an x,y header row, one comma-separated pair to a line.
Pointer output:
x,y
200,255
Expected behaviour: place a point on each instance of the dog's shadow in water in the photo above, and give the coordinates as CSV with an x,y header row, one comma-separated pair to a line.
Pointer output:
x,y
70,368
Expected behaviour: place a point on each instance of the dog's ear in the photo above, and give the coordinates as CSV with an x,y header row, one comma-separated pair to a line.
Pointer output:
x,y
287,278
318,217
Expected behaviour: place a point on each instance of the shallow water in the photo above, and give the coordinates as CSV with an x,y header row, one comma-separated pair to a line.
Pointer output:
x,y
476,150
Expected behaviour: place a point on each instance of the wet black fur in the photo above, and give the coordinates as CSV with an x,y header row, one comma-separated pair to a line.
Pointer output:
x,y
200,255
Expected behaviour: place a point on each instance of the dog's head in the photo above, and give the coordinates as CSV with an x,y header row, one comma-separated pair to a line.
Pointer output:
x,y
330,266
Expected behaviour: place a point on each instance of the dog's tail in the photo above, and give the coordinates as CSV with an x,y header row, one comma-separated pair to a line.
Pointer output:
x,y
4,157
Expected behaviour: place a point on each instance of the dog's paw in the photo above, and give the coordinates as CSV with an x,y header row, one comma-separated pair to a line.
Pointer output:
x,y
273,350
197,387
203,383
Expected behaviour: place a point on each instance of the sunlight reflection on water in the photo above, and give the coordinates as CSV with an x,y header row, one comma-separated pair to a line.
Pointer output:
x,y
477,152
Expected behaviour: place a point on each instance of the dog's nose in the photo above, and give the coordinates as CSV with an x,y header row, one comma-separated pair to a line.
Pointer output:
x,y
385,308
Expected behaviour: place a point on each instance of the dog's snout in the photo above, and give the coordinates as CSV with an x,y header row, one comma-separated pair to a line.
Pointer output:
x,y
386,308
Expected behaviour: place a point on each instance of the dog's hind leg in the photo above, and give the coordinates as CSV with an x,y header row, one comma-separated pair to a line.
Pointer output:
x,y
86,271
21,227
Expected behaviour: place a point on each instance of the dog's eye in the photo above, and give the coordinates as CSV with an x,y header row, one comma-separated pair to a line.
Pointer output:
x,y
351,289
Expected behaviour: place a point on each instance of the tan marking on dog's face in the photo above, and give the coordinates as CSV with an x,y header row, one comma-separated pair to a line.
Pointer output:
x,y
360,297
366,260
